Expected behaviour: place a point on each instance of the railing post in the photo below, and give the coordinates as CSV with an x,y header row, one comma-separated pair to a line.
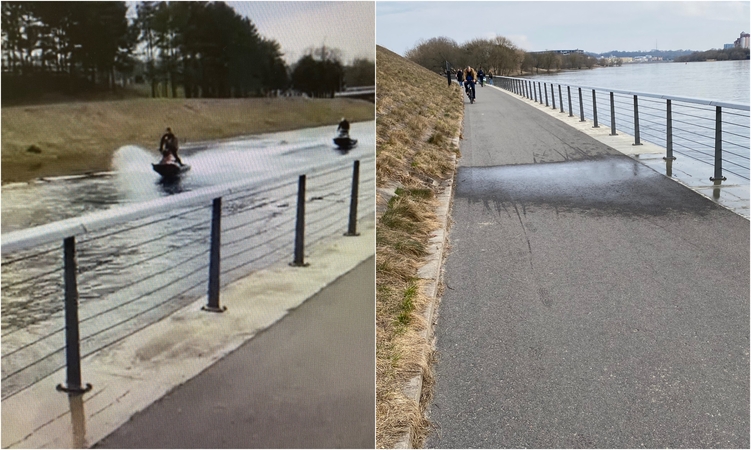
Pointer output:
x,y
72,344
570,113
560,96
669,143
352,229
546,95
612,115
539,87
718,147
552,94
594,108
534,88
637,140
215,257
581,106
300,226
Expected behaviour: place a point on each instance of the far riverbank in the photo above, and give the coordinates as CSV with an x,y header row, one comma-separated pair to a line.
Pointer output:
x,y
76,138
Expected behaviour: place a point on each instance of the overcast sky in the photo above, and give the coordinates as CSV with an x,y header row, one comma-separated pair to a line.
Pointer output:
x,y
297,26
593,26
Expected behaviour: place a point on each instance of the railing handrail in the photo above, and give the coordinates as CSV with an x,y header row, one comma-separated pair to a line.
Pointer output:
x,y
77,226
700,101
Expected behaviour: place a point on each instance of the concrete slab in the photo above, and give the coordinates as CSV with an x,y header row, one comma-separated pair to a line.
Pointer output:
x,y
132,374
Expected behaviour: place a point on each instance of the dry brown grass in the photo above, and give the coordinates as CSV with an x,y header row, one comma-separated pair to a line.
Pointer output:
x,y
81,137
417,118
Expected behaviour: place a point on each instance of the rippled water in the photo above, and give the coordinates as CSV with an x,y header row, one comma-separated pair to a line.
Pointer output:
x,y
133,274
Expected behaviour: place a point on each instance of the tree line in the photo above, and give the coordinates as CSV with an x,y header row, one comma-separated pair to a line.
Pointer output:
x,y
498,56
734,53
501,57
193,49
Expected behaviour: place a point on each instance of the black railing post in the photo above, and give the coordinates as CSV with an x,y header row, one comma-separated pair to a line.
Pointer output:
x,y
612,115
581,106
669,137
594,108
300,226
570,110
352,229
560,96
552,94
637,139
718,147
534,88
546,95
72,342
539,87
215,257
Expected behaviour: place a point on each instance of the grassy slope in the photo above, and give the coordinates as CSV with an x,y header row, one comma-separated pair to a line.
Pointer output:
x,y
417,117
81,137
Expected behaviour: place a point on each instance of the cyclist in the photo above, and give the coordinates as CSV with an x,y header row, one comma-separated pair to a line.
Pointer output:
x,y
471,77
481,77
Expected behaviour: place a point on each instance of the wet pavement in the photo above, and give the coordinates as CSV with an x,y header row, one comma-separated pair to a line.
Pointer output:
x,y
590,301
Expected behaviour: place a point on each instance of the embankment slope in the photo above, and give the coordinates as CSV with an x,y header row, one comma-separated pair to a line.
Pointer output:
x,y
418,121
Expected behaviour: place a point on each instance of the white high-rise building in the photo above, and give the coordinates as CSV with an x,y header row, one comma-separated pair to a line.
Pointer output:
x,y
742,42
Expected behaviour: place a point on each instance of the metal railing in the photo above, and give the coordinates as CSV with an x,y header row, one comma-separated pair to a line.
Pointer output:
x,y
712,132
123,269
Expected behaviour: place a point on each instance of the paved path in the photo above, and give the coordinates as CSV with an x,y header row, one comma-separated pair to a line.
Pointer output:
x,y
306,382
590,301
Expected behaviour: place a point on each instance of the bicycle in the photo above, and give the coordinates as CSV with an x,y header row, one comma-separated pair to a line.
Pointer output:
x,y
469,91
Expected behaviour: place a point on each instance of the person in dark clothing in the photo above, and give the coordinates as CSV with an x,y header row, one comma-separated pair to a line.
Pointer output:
x,y
481,77
169,143
343,127
460,77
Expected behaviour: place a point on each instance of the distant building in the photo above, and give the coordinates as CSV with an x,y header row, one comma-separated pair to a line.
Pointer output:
x,y
727,46
561,52
742,42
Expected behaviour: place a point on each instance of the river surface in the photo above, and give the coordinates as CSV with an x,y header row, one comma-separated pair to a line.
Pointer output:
x,y
132,179
720,80
136,273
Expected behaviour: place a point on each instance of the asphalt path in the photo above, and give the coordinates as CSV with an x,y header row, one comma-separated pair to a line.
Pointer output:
x,y
306,382
590,301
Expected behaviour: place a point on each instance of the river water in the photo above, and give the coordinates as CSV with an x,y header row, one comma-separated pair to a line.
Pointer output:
x,y
137,273
720,80
132,179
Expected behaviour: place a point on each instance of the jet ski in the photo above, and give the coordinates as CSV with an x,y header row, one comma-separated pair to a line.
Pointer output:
x,y
344,142
168,167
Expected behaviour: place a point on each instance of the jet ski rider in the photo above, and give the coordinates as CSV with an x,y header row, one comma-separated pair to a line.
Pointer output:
x,y
169,143
343,128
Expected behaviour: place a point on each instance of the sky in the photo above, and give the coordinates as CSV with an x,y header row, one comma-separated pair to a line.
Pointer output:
x,y
592,26
299,26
